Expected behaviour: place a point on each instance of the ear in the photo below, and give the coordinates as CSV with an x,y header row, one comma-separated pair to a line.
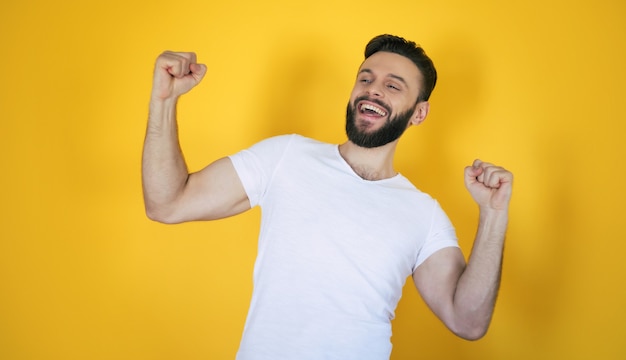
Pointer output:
x,y
421,110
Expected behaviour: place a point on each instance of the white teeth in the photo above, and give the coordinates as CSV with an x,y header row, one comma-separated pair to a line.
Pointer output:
x,y
373,108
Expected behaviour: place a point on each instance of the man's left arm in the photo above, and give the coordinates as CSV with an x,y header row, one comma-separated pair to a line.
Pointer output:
x,y
463,295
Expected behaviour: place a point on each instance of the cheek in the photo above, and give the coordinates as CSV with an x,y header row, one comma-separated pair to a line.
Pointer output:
x,y
354,94
407,104
353,97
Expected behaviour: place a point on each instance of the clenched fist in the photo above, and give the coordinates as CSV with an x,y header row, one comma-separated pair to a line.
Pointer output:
x,y
489,185
175,73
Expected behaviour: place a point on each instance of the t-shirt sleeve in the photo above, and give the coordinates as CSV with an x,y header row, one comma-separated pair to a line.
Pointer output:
x,y
441,235
255,165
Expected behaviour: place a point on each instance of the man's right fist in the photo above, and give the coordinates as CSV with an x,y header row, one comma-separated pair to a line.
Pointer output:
x,y
175,73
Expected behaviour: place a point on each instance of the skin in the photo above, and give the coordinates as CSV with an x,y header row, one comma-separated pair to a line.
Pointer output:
x,y
461,294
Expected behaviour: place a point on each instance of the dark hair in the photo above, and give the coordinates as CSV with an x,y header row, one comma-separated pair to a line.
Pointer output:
x,y
410,50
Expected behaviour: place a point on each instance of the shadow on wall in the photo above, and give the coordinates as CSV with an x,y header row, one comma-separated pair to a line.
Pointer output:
x,y
429,157
541,251
456,104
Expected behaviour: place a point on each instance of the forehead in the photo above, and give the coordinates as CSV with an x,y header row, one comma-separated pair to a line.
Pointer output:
x,y
391,64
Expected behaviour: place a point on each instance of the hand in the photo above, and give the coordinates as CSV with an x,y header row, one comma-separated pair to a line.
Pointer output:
x,y
489,185
176,73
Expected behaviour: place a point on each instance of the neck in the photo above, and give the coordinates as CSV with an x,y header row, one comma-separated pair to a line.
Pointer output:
x,y
370,163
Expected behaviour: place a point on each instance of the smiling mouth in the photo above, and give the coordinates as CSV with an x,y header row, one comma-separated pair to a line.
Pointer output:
x,y
371,109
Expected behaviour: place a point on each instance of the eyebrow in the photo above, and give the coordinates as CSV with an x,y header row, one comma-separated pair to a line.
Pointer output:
x,y
393,76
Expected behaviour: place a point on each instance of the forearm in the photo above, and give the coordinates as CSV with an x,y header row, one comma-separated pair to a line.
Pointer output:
x,y
477,289
164,171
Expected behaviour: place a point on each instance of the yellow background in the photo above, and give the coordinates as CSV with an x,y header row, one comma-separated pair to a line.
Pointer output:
x,y
536,86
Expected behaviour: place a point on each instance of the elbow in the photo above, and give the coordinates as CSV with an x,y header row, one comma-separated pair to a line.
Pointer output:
x,y
159,215
156,216
471,332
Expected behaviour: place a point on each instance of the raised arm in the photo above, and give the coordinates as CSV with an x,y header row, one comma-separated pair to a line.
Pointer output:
x,y
171,194
463,295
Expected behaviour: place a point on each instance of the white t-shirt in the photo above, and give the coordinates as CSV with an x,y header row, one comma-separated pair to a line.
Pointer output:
x,y
334,252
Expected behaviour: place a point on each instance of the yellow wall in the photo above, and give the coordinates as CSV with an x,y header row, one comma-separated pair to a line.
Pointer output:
x,y
535,85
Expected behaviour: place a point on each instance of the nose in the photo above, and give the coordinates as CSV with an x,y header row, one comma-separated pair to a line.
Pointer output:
x,y
374,89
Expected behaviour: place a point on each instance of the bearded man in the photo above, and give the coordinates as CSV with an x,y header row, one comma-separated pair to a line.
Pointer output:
x,y
341,229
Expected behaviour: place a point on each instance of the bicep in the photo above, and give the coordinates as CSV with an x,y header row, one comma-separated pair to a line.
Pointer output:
x,y
436,280
214,192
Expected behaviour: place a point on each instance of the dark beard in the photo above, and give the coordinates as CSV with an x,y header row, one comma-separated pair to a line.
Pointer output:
x,y
392,129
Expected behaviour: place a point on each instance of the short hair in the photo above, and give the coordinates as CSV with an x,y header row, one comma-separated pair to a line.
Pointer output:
x,y
410,50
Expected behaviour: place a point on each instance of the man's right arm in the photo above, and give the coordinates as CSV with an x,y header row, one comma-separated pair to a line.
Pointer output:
x,y
171,194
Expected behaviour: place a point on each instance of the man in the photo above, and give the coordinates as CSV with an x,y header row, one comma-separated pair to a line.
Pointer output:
x,y
341,230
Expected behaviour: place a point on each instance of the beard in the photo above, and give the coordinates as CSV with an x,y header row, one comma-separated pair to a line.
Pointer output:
x,y
393,128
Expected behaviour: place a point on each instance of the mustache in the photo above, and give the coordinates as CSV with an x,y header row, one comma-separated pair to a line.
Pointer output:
x,y
375,101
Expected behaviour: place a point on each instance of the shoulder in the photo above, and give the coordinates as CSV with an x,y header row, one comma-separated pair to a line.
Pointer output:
x,y
288,140
275,149
294,144
412,200
401,183
271,146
